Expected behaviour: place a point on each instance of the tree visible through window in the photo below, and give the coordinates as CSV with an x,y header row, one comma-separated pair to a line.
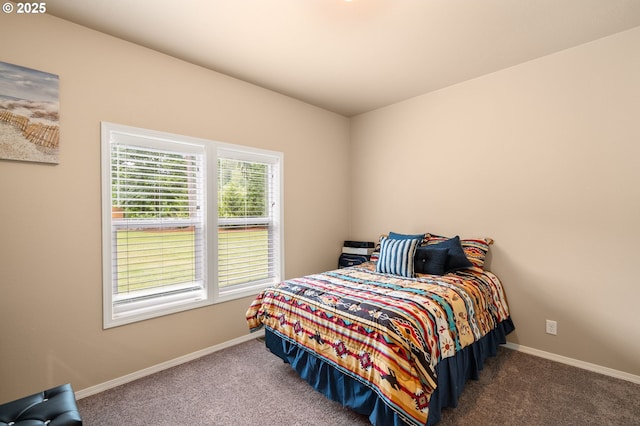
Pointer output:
x,y
242,189
149,184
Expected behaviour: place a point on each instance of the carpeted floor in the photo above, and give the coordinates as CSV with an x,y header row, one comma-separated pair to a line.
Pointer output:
x,y
247,385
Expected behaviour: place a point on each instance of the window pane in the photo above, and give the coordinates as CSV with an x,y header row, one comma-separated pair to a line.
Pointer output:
x,y
242,189
153,258
244,254
246,249
157,224
153,184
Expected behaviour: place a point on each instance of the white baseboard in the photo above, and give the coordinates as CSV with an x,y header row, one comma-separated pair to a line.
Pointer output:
x,y
206,351
83,393
575,363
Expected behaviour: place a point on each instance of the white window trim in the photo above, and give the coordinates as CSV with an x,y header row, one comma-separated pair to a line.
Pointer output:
x,y
142,310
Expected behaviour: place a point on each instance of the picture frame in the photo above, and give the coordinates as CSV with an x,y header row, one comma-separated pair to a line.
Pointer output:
x,y
29,114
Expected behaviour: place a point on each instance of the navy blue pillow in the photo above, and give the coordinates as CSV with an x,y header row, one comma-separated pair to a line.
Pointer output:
x,y
456,259
431,260
396,236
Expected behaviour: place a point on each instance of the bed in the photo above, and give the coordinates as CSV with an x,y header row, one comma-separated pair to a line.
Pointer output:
x,y
394,338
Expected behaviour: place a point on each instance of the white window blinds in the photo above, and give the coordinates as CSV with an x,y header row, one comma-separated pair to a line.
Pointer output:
x,y
157,223
248,219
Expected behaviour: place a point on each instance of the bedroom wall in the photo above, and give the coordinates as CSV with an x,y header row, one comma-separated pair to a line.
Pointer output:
x,y
544,158
50,252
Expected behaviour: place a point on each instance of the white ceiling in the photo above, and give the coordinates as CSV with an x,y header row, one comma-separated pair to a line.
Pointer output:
x,y
354,56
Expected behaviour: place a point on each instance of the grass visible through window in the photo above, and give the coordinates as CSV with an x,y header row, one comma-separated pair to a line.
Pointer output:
x,y
243,255
152,258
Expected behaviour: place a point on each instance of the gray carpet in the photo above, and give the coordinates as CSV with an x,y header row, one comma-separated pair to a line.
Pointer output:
x,y
247,385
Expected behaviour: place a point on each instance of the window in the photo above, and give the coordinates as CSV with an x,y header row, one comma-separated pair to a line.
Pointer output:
x,y
164,197
248,229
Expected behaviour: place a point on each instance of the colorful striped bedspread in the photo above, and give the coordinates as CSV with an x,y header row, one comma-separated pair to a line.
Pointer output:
x,y
385,330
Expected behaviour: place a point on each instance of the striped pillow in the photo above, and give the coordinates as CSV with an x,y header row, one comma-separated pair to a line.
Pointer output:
x,y
396,257
475,249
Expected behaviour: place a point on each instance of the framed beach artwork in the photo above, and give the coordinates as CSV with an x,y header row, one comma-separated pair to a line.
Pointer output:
x,y
29,128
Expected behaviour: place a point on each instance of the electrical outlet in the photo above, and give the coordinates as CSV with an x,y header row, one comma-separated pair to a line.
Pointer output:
x,y
552,327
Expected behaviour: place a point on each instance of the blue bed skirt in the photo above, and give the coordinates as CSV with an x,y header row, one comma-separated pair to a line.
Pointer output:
x,y
328,379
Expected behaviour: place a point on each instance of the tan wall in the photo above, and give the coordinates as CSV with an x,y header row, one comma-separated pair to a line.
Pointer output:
x,y
543,157
50,252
